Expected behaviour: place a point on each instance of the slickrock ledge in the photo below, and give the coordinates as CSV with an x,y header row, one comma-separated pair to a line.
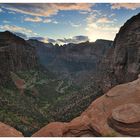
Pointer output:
x,y
102,117
8,131
126,119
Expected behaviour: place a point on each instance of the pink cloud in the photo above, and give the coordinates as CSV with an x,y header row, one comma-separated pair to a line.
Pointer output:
x,y
47,9
131,6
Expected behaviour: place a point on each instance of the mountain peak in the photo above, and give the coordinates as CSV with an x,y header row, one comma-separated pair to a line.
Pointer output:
x,y
6,33
8,37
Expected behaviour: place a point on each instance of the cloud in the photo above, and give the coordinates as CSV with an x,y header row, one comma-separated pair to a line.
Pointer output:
x,y
131,6
34,19
15,28
83,12
47,9
47,20
80,38
42,39
51,40
11,12
75,39
6,21
55,22
74,24
100,28
104,20
45,40
39,19
1,10
24,36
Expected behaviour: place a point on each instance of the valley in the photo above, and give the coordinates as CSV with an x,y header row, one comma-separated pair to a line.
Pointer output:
x,y
42,82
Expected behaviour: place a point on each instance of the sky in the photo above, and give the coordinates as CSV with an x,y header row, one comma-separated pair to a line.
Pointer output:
x,y
66,22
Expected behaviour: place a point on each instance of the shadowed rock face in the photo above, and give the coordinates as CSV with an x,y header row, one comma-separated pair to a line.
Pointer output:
x,y
127,51
94,121
8,131
71,58
15,54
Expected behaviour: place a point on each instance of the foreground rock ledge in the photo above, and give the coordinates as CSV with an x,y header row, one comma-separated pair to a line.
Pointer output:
x,y
95,120
126,119
8,131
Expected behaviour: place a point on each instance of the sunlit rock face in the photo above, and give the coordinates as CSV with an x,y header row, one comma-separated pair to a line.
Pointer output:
x,y
126,119
8,131
127,51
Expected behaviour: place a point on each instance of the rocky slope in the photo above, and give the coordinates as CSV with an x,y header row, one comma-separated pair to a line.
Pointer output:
x,y
117,113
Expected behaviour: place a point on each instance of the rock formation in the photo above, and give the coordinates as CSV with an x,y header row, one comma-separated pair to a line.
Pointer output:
x,y
15,54
126,119
71,58
127,51
8,131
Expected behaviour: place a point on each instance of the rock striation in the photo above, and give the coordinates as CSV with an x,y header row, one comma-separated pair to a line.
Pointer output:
x,y
126,119
71,58
15,54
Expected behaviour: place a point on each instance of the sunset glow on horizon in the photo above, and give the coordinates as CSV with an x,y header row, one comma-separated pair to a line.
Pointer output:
x,y
67,22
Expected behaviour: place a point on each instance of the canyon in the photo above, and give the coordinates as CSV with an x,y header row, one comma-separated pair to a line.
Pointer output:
x,y
60,81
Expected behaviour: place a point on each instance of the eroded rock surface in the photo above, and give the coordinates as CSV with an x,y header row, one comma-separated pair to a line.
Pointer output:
x,y
126,119
127,51
128,113
8,131
15,55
